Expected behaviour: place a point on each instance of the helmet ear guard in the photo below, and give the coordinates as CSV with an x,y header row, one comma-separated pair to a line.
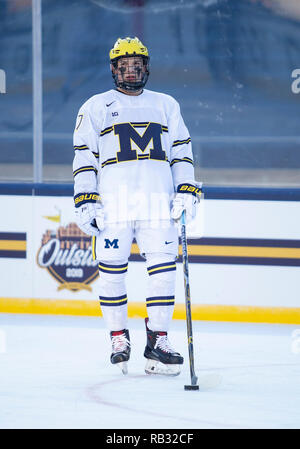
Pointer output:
x,y
125,48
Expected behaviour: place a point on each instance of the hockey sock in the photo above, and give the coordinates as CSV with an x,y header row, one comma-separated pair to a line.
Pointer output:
x,y
160,291
112,294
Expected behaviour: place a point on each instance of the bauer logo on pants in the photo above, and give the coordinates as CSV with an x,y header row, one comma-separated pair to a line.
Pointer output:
x,y
67,255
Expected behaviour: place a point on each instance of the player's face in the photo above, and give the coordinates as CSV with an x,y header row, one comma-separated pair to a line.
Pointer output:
x,y
130,69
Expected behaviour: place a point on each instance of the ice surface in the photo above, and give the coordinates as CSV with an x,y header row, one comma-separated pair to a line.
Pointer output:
x,y
55,373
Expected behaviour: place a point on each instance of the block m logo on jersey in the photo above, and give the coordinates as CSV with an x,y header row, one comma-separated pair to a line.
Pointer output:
x,y
113,244
151,137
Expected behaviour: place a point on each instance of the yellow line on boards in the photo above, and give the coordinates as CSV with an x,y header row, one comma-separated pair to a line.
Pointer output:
x,y
251,314
49,306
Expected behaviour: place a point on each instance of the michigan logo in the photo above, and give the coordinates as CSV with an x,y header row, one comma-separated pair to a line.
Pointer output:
x,y
152,135
67,255
111,243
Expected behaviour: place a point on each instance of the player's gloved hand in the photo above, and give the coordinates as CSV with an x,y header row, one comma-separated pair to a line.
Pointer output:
x,y
89,213
186,198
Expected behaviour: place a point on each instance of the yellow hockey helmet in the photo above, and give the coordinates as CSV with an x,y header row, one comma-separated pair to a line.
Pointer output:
x,y
126,48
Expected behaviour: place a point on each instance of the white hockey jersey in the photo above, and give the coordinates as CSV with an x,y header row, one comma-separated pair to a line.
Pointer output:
x,y
134,151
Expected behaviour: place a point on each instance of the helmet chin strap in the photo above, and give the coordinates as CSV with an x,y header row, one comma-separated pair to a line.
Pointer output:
x,y
131,87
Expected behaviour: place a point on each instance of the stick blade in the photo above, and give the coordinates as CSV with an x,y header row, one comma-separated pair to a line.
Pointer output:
x,y
191,387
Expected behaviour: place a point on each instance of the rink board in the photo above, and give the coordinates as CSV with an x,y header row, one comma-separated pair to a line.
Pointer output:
x,y
244,257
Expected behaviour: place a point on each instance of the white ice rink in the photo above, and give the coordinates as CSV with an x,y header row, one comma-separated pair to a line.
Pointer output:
x,y
55,373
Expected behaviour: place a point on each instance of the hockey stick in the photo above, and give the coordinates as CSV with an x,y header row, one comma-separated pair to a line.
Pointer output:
x,y
194,379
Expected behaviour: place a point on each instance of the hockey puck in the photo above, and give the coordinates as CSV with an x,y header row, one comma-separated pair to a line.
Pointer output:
x,y
191,387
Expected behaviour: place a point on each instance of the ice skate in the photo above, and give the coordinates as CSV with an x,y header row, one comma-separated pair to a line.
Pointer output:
x,y
120,349
161,357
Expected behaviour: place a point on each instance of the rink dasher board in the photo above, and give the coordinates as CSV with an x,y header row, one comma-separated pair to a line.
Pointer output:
x,y
244,259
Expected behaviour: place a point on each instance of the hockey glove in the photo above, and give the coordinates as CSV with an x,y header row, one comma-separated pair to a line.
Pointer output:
x,y
186,198
89,213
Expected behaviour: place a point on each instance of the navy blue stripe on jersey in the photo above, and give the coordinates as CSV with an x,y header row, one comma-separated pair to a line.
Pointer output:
x,y
113,269
184,159
145,124
85,147
106,130
139,157
113,301
139,124
181,142
161,268
84,169
160,301
81,147
135,125
109,162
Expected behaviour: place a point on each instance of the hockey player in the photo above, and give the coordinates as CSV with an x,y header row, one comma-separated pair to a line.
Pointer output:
x,y
133,177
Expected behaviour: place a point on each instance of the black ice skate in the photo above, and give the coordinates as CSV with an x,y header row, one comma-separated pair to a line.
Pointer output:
x,y
162,359
120,349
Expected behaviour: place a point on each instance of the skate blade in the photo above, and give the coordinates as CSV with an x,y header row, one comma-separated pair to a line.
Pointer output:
x,y
156,367
123,367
